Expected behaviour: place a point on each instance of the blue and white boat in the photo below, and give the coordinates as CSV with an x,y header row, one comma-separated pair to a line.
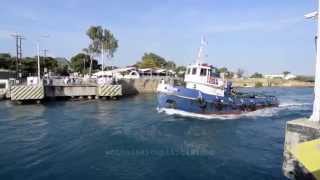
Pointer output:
x,y
206,93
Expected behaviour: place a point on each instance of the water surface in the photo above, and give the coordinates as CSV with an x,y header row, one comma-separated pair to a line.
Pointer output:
x,y
129,139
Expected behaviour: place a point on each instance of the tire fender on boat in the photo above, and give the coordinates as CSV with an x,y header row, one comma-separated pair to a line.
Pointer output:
x,y
218,105
202,103
171,104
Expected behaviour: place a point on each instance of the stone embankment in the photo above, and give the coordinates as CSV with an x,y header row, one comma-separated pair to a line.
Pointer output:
x,y
141,86
263,82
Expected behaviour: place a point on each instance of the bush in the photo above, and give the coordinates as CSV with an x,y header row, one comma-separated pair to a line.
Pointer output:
x,y
304,78
257,75
258,84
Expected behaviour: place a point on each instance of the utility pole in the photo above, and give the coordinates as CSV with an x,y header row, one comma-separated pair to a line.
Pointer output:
x,y
316,104
45,51
18,38
38,62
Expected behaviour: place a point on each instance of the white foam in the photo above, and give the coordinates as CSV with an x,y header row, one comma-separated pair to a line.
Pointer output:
x,y
258,113
288,104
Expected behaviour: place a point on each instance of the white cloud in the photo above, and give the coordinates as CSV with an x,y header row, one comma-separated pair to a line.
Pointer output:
x,y
5,34
253,26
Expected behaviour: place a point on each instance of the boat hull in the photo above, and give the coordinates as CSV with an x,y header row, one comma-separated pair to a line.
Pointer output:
x,y
194,101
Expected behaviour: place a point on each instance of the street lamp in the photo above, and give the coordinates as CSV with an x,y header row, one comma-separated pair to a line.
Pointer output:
x,y
316,104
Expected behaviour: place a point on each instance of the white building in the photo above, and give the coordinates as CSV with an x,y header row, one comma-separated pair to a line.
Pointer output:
x,y
280,76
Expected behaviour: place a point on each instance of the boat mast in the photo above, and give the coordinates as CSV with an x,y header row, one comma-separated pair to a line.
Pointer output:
x,y
201,56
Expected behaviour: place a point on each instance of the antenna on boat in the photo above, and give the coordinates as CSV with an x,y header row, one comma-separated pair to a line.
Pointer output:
x,y
201,56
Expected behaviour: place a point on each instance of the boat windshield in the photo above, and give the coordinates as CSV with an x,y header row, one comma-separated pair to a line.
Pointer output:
x,y
214,72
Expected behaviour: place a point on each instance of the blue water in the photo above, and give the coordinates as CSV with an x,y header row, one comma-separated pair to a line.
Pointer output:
x,y
129,139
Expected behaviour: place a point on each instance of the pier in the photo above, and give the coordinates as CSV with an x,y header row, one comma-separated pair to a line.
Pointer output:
x,y
302,137
301,163
56,89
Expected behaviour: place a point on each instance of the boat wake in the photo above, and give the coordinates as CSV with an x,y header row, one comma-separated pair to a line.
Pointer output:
x,y
267,112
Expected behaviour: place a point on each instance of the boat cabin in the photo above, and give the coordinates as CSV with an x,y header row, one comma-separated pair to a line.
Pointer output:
x,y
204,77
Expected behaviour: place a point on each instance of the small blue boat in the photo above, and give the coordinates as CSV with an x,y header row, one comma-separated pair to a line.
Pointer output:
x,y
206,93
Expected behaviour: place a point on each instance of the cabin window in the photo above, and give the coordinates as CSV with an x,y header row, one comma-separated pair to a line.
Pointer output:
x,y
2,86
203,72
194,71
188,71
214,73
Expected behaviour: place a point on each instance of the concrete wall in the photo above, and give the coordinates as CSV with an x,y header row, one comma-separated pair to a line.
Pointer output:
x,y
251,82
135,86
69,91
298,131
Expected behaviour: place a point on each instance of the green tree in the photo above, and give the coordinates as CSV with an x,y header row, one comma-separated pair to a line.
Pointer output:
x,y
29,65
81,62
63,70
223,70
5,61
240,73
286,73
170,65
180,71
151,60
49,63
257,75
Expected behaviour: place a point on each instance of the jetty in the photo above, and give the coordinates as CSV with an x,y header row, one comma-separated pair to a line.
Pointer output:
x,y
53,88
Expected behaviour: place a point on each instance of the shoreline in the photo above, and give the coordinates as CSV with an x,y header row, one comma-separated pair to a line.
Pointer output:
x,y
263,82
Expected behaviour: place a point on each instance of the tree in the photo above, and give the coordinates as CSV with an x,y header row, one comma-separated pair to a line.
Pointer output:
x,y
286,73
102,39
29,64
240,73
227,74
5,61
170,65
152,60
63,70
180,71
257,75
80,63
223,70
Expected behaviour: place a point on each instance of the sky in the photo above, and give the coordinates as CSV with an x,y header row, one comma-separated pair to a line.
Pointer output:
x,y
267,36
